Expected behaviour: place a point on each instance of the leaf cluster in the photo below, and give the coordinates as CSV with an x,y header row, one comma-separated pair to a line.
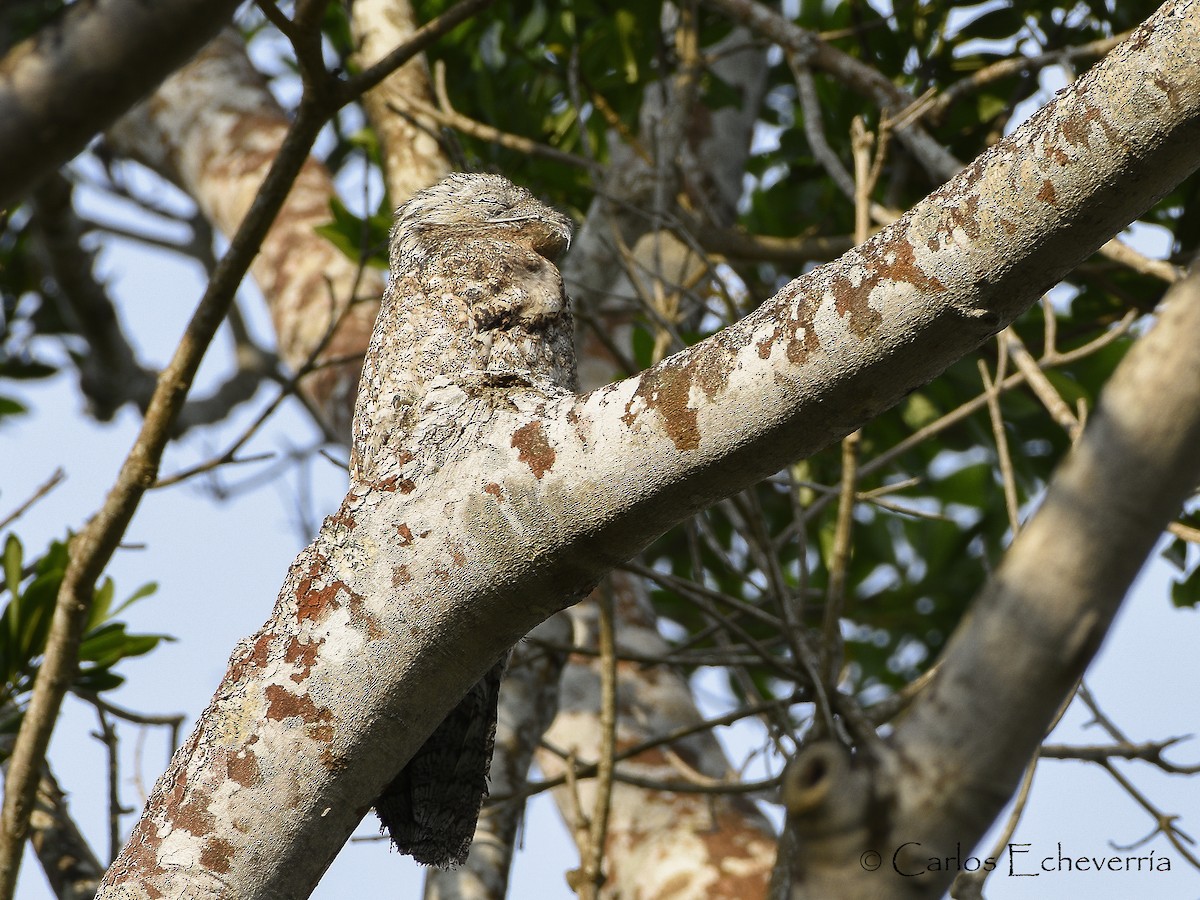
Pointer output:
x,y
30,591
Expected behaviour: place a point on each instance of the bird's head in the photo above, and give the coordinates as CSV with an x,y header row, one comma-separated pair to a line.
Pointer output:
x,y
465,206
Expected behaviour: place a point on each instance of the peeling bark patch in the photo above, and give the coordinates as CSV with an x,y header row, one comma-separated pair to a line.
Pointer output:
x,y
667,389
964,217
396,483
216,855
495,490
363,618
796,322
854,302
727,842
400,576
343,518
257,658
897,263
1170,91
283,704
405,533
1075,129
242,768
194,816
764,346
533,448
141,856
314,603
302,654
1046,193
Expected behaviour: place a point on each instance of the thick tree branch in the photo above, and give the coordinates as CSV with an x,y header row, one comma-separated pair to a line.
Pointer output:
x,y
93,547
84,69
958,754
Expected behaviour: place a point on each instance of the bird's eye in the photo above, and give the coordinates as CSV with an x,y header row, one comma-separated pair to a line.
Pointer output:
x,y
493,204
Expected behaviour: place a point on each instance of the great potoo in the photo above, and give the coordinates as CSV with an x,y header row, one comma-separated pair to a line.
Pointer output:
x,y
474,297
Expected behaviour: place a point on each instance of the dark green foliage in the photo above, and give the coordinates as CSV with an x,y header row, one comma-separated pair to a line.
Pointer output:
x,y
30,590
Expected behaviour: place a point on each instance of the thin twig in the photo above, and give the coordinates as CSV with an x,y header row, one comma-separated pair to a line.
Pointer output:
x,y
43,489
588,770
1008,479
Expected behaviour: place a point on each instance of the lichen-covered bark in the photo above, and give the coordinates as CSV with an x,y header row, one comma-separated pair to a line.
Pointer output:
x,y
406,597
214,128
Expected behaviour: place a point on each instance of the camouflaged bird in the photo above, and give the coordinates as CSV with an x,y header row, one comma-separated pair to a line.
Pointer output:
x,y
474,295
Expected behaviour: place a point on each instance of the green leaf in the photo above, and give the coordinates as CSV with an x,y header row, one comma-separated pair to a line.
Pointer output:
x,y
988,106
37,611
643,347
12,581
54,560
12,564
532,25
1176,554
998,24
1185,594
110,643
627,27
94,680
102,598
359,239
146,590
22,369
10,407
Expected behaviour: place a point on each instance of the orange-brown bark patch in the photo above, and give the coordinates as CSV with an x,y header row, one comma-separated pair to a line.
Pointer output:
x,y
193,815
533,447
302,654
729,839
216,855
666,389
141,857
396,483
242,768
283,704
257,658
315,603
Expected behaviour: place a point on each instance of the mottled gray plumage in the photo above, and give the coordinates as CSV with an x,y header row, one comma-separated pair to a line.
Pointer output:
x,y
474,296
474,293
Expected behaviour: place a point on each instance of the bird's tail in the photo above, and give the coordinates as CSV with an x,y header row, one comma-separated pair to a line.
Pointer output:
x,y
431,808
